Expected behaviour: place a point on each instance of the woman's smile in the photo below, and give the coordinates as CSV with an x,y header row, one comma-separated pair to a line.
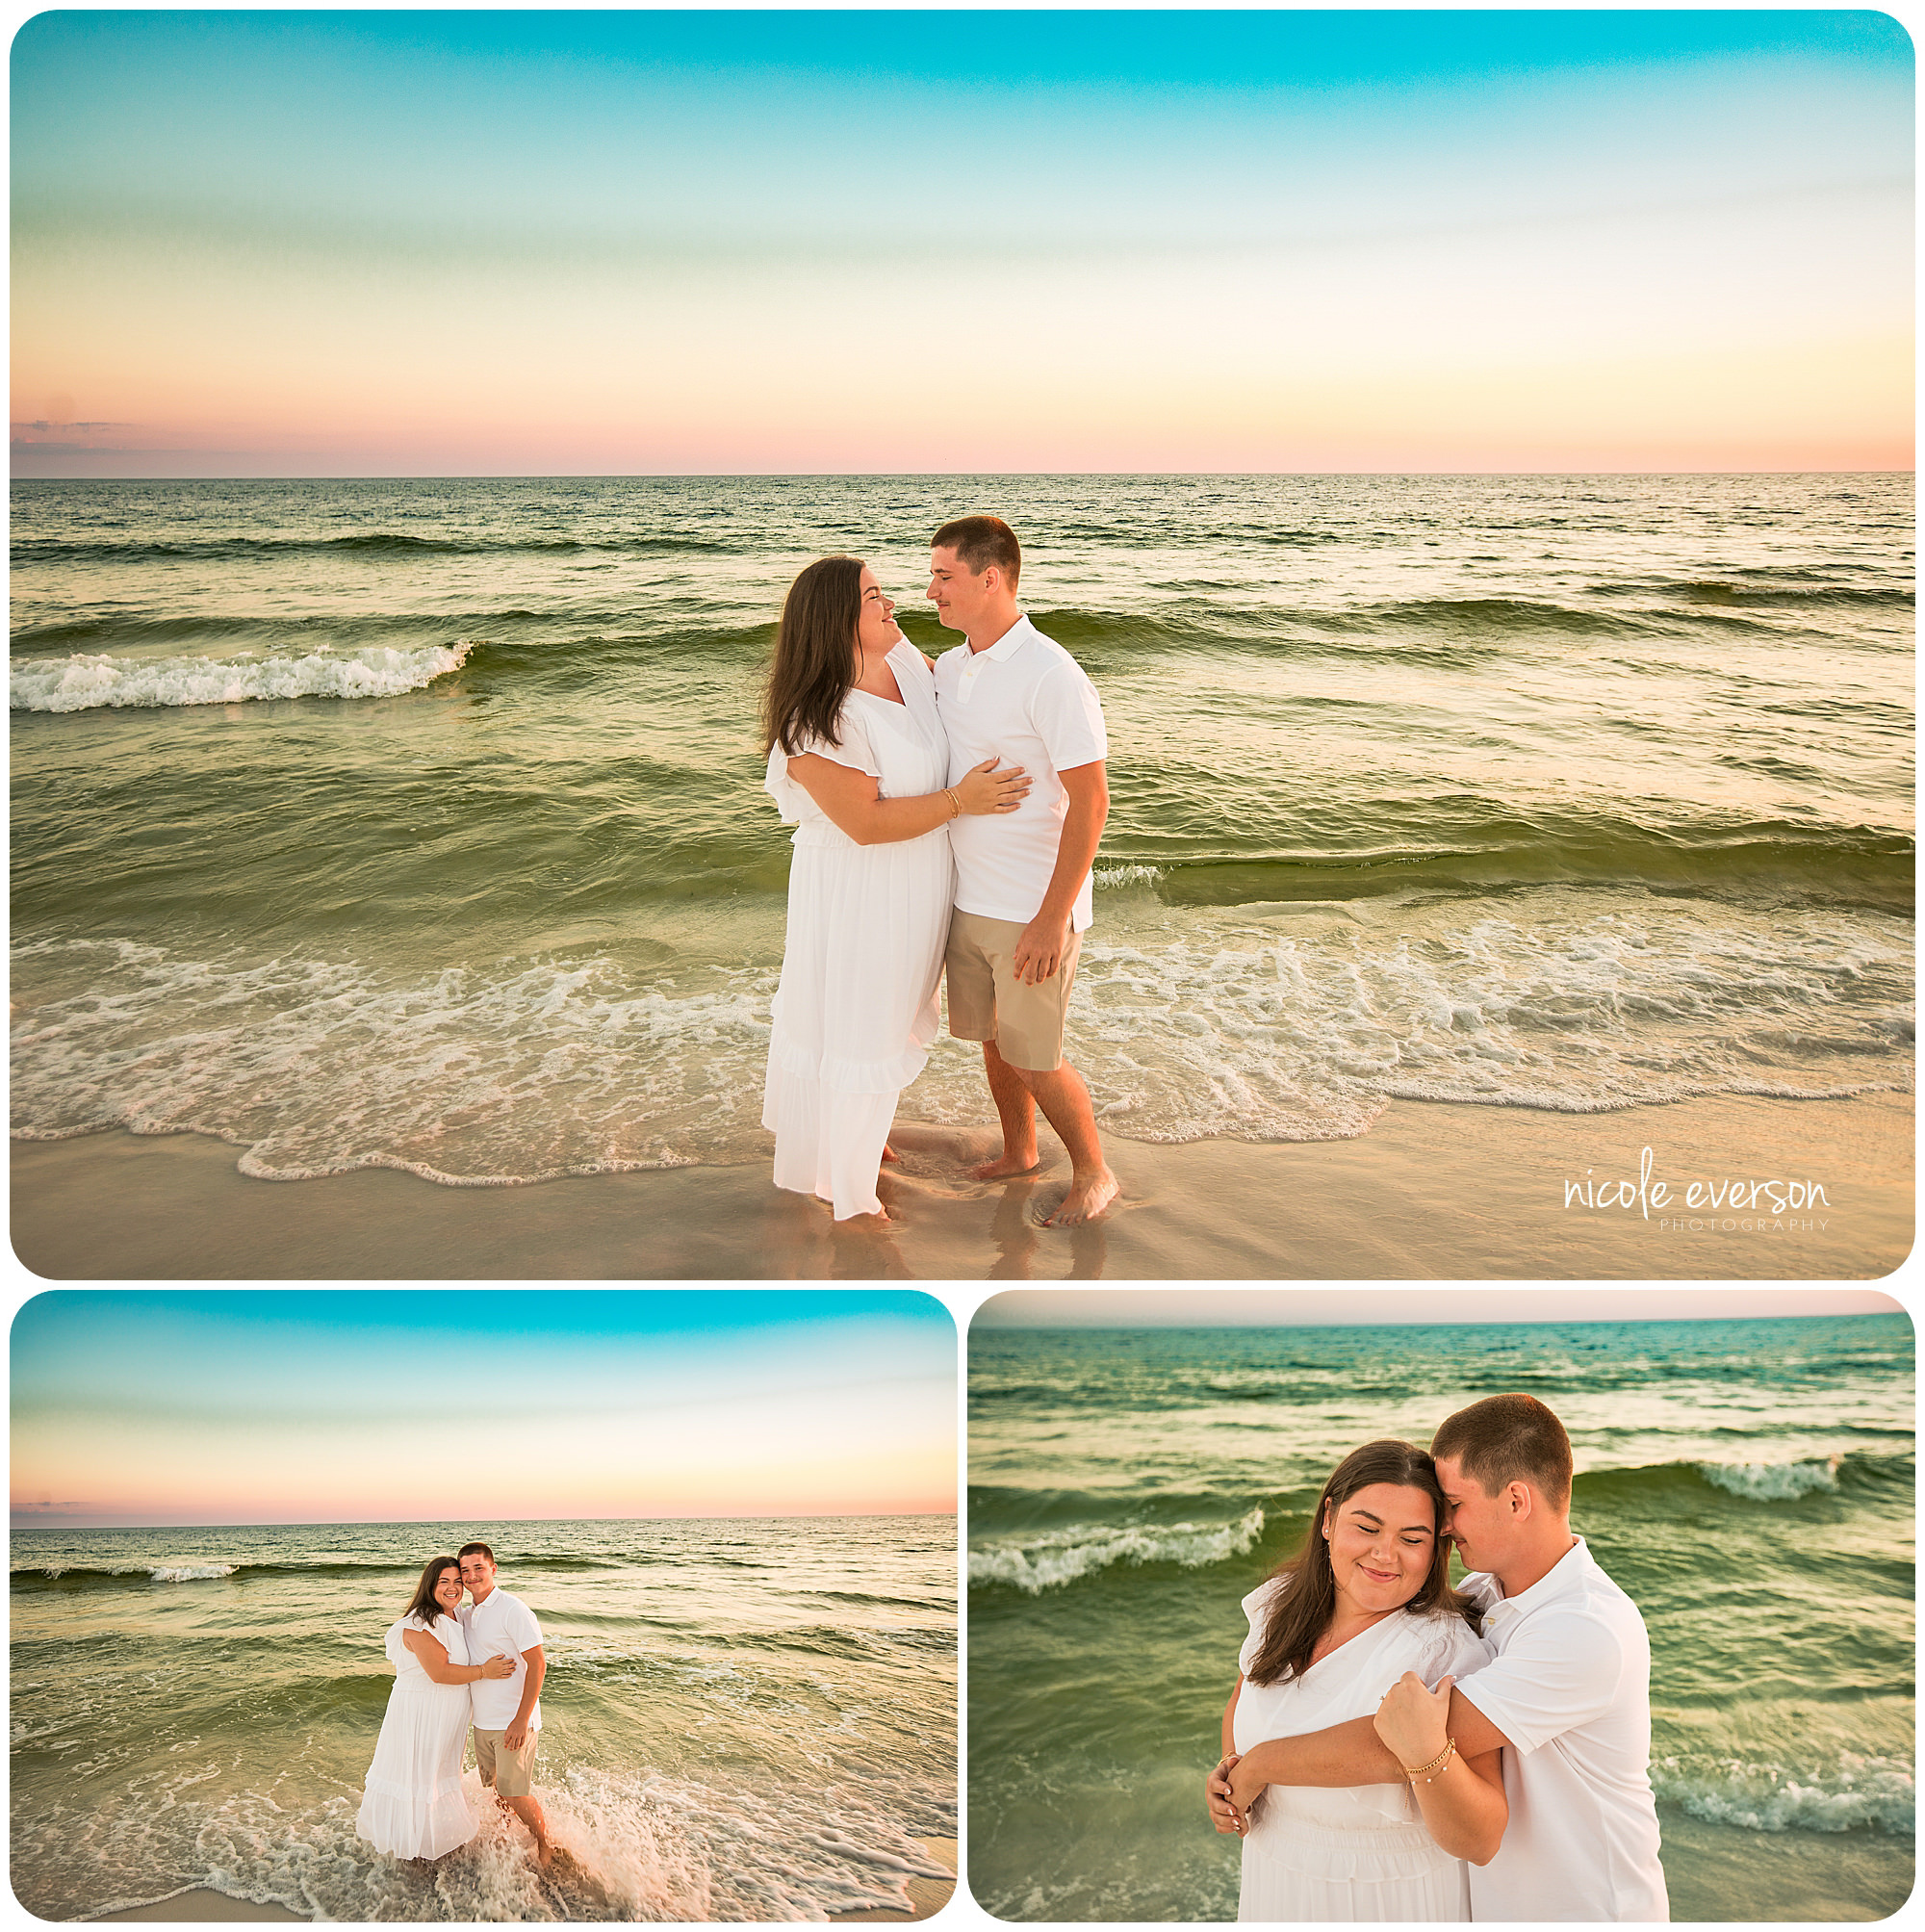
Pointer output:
x,y
1381,1539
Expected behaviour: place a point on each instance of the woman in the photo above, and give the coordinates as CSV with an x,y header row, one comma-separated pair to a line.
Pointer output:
x,y
413,1805
1333,1632
859,765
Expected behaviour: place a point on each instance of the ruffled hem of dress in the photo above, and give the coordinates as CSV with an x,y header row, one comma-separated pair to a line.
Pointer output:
x,y
410,1829
398,1791
842,1076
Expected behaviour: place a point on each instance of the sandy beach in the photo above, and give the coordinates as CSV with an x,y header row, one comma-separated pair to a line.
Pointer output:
x,y
1432,1191
200,1905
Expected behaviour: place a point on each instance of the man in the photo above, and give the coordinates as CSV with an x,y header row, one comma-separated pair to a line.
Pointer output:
x,y
507,1710
1567,1697
1022,878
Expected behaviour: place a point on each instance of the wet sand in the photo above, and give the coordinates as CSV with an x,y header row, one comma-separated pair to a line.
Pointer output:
x,y
927,1896
199,1906
1439,1192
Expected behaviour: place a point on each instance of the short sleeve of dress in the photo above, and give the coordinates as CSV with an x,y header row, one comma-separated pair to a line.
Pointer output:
x,y
854,751
396,1643
1451,1649
1256,1608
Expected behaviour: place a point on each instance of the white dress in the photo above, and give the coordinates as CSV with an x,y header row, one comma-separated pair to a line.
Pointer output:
x,y
868,924
1361,1853
413,1805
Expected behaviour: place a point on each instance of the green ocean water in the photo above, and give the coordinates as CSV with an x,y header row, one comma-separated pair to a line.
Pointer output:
x,y
420,823
742,1719
1750,1484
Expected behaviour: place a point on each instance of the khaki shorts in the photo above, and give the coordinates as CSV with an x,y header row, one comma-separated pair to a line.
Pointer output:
x,y
510,1772
987,1001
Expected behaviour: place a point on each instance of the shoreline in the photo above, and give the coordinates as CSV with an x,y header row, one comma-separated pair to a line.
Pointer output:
x,y
1436,1190
201,1904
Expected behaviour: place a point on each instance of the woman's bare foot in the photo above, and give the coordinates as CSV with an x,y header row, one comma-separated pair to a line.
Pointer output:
x,y
1089,1193
1006,1167
890,1154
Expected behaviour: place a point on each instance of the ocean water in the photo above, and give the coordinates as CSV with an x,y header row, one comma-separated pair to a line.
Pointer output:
x,y
742,1719
420,823
1750,1484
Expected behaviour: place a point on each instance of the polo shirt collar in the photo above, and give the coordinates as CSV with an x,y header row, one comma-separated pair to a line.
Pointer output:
x,y
1011,641
1565,1575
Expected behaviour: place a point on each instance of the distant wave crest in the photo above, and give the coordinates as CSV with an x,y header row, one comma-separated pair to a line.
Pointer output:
x,y
1772,1481
1859,1791
92,681
362,543
154,1573
1059,1556
57,1575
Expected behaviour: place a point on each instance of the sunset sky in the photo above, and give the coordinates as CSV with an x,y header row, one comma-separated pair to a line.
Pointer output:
x,y
1350,1308
391,243
303,1406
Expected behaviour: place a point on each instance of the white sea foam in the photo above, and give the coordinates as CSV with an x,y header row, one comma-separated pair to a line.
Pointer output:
x,y
638,1848
1054,1558
163,1573
1126,875
1857,1790
469,1077
1772,1481
1187,1023
85,683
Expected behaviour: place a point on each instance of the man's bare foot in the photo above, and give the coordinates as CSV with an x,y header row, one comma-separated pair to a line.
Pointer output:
x,y
1087,1196
1006,1167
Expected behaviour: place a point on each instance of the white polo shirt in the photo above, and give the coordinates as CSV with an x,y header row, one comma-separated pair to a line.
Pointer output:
x,y
1027,700
501,1625
1570,1686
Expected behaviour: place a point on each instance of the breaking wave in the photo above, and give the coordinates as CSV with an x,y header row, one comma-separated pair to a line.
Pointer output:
x,y
86,683
1055,1557
1857,1791
1772,1481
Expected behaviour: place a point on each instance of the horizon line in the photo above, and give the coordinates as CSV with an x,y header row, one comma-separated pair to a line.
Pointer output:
x,y
1508,1322
423,1522
813,476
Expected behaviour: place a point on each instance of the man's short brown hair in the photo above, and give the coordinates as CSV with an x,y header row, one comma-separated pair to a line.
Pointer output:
x,y
1508,1438
980,542
477,1550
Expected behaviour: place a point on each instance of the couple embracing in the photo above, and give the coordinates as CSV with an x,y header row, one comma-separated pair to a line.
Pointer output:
x,y
457,1664
948,815
1398,1751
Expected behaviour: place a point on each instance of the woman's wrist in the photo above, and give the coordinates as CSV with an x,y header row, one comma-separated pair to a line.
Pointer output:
x,y
1432,1767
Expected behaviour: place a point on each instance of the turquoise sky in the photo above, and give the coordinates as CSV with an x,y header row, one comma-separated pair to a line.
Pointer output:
x,y
752,240
289,1406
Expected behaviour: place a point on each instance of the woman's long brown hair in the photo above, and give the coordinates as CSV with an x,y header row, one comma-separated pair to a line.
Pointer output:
x,y
423,1603
1300,1613
815,663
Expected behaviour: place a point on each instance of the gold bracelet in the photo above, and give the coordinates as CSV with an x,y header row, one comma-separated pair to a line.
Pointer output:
x,y
1429,1772
954,801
